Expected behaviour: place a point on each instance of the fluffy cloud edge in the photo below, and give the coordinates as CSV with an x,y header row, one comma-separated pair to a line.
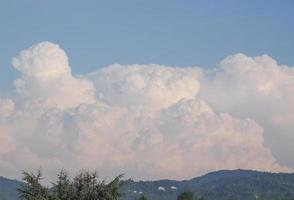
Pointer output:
x,y
150,121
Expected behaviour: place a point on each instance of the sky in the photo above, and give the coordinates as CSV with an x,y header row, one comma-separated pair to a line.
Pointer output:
x,y
153,89
175,33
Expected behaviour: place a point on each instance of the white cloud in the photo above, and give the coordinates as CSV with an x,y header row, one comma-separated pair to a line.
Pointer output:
x,y
46,76
257,88
6,107
43,61
148,121
154,85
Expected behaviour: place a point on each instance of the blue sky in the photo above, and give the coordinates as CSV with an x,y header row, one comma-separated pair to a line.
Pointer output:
x,y
96,33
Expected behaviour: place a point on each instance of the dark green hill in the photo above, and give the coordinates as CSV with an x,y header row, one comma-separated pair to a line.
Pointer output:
x,y
220,185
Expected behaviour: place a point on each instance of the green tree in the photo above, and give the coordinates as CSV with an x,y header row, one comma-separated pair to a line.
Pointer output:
x,y
63,188
33,190
186,196
143,197
84,186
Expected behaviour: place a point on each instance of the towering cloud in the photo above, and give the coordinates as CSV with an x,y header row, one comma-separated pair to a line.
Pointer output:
x,y
153,85
148,121
46,76
257,88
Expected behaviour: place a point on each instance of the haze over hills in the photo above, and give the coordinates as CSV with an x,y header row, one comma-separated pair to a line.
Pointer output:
x,y
219,185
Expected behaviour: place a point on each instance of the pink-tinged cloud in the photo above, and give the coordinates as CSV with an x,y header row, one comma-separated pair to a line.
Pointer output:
x,y
148,121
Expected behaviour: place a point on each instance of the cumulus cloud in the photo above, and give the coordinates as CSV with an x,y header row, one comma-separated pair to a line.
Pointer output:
x,y
257,88
6,107
153,85
148,121
46,76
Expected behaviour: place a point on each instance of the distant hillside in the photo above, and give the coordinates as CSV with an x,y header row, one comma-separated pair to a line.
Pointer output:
x,y
8,189
220,185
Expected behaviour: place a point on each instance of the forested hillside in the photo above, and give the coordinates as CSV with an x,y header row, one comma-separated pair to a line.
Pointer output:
x,y
220,185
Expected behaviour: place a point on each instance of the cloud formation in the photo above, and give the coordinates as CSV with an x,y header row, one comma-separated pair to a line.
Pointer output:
x,y
257,88
147,85
46,77
148,121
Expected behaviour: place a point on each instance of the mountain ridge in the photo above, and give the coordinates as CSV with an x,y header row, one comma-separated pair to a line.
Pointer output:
x,y
218,185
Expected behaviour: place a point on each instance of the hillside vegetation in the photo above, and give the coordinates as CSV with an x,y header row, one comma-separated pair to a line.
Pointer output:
x,y
219,185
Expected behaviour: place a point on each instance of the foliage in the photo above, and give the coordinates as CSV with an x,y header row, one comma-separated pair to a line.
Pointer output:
x,y
186,196
33,190
84,186
142,198
220,185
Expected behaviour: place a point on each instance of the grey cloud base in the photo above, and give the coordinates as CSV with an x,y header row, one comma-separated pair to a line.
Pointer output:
x,y
148,121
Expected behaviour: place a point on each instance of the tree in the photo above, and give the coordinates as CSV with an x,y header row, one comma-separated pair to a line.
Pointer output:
x,y
63,188
202,198
186,196
33,190
84,186
143,197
